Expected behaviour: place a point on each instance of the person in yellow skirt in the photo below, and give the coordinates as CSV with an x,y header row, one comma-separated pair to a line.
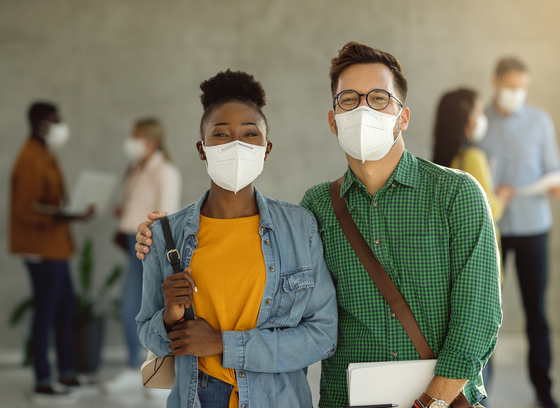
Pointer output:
x,y
254,272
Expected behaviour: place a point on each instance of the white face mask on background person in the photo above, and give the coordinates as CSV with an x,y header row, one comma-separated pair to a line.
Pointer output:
x,y
235,165
480,128
511,99
366,134
57,135
134,148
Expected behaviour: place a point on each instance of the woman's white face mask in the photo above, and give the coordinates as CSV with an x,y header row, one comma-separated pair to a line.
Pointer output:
x,y
134,148
480,128
235,165
366,134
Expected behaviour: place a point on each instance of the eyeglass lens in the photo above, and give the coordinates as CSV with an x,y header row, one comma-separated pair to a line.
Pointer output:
x,y
377,99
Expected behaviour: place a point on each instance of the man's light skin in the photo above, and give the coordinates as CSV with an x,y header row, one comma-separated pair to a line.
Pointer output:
x,y
373,174
516,80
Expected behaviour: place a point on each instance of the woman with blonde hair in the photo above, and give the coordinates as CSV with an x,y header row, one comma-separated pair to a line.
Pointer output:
x,y
152,181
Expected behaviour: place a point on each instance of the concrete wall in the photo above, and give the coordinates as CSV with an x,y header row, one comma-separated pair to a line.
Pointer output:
x,y
106,62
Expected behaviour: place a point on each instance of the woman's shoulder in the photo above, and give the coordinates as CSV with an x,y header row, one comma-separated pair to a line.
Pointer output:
x,y
292,213
177,222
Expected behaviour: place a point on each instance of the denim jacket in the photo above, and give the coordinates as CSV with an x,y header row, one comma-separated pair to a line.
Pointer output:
x,y
297,320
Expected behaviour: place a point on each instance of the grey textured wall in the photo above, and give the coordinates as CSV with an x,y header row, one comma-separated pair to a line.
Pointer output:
x,y
106,62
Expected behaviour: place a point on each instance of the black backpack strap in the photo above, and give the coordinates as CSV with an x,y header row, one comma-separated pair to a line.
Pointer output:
x,y
174,258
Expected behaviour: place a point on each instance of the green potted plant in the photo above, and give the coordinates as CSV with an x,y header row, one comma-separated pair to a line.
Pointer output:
x,y
93,308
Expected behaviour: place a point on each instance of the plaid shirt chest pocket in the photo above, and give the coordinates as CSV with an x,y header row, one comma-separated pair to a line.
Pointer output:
x,y
292,297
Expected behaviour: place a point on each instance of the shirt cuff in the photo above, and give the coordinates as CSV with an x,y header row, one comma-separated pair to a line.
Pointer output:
x,y
158,328
234,350
457,366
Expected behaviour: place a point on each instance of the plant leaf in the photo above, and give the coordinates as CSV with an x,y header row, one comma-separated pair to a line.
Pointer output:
x,y
20,310
86,267
113,277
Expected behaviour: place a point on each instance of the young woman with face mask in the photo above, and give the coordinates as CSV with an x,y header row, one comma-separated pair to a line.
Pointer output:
x,y
460,125
152,181
254,271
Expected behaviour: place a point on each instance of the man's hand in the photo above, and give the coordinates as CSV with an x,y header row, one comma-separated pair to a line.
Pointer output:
x,y
143,237
554,192
505,193
196,338
445,389
177,294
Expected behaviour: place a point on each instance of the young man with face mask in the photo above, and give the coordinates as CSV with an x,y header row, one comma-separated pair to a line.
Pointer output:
x,y
429,227
521,142
40,235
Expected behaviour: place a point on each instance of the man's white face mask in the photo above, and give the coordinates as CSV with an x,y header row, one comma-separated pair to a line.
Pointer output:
x,y
511,99
57,135
366,134
235,165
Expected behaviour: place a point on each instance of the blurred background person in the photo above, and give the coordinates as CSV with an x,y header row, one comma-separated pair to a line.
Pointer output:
x,y
40,234
522,142
460,125
152,182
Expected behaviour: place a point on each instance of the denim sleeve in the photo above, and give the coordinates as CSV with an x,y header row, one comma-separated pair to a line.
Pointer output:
x,y
151,331
281,350
475,299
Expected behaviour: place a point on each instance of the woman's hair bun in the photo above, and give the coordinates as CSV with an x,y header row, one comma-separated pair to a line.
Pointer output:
x,y
230,86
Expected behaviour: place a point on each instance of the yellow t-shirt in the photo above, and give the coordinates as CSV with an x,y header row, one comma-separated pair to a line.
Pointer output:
x,y
230,273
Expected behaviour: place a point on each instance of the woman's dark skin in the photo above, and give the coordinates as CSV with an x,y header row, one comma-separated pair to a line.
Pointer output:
x,y
228,123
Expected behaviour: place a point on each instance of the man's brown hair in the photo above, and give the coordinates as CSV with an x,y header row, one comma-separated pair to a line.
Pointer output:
x,y
509,64
356,53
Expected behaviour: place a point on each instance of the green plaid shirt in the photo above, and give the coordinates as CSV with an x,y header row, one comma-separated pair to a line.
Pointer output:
x,y
431,229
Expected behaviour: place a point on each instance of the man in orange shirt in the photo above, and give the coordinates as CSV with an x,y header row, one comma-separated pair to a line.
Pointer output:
x,y
40,234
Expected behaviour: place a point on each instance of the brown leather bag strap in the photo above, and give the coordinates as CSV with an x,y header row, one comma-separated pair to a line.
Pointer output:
x,y
383,282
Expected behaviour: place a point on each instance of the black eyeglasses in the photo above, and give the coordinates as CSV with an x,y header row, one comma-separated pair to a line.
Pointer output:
x,y
377,99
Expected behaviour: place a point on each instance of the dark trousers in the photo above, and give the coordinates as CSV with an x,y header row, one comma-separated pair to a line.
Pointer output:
x,y
531,261
54,307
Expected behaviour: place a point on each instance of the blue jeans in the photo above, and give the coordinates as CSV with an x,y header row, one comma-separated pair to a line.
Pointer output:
x,y
531,261
55,306
130,303
213,393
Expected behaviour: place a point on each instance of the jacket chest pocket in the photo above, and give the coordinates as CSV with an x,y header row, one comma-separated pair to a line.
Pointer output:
x,y
295,290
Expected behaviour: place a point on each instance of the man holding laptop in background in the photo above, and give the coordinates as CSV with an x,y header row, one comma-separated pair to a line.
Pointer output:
x,y
40,234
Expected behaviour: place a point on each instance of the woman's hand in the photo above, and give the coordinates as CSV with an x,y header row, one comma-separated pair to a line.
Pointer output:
x,y
177,294
196,338
143,237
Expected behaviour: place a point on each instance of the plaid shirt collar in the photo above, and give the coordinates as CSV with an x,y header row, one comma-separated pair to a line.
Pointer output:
x,y
406,173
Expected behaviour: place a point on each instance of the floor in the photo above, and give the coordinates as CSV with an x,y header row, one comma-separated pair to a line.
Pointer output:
x,y
510,389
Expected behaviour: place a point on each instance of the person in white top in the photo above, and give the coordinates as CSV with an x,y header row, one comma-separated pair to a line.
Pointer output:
x,y
152,181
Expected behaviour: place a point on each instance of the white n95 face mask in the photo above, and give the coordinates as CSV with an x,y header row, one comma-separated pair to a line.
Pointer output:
x,y
233,166
480,128
511,99
57,135
366,134
134,148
